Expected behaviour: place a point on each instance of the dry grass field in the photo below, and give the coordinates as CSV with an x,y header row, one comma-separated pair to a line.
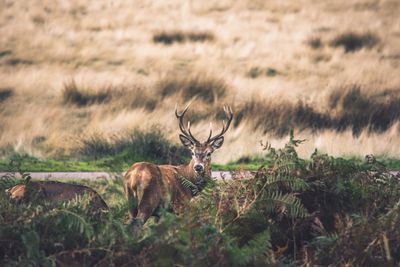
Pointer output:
x,y
328,69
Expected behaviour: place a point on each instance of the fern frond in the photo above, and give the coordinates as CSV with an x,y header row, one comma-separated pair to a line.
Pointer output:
x,y
286,203
71,221
189,185
257,249
9,180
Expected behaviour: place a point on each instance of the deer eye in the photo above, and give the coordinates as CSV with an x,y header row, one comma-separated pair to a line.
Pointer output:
x,y
208,154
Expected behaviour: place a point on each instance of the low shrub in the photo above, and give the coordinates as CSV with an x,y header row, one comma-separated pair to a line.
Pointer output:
x,y
321,211
125,97
279,117
349,108
170,37
205,88
95,146
14,61
352,41
72,94
135,97
314,42
5,53
137,146
255,72
5,93
376,112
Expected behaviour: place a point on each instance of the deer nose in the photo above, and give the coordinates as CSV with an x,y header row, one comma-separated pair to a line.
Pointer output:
x,y
198,168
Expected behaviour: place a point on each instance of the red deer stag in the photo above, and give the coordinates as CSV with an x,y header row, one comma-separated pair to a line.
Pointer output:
x,y
148,186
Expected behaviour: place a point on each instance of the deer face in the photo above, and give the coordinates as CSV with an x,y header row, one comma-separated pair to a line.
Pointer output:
x,y
201,151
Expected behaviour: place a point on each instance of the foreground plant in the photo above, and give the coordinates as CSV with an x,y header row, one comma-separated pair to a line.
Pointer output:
x,y
321,211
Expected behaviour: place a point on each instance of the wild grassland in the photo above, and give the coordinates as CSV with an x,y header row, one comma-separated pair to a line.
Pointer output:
x,y
328,70
93,84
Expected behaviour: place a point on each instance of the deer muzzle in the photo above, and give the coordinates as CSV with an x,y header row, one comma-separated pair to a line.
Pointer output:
x,y
198,168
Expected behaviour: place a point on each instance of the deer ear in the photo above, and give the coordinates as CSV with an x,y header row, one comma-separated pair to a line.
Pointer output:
x,y
217,143
186,141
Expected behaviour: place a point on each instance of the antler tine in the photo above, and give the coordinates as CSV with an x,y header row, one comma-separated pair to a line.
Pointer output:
x,y
228,111
209,136
185,132
182,113
180,117
190,133
225,126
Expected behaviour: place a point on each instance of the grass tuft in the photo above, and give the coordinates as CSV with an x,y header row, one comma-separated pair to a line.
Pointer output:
x,y
280,118
135,97
349,108
5,53
122,96
255,72
5,93
314,42
170,37
72,94
375,111
205,88
19,61
352,41
134,147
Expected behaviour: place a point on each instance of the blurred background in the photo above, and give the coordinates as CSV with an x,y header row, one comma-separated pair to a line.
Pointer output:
x,y
91,79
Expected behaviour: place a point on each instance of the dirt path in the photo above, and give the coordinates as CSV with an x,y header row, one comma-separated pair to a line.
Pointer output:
x,y
101,175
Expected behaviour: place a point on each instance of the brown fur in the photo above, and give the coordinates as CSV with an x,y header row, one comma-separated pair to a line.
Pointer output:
x,y
54,192
148,186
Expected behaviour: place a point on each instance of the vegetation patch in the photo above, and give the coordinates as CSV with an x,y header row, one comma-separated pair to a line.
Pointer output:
x,y
5,93
205,88
320,211
135,97
5,53
124,97
19,61
349,108
170,37
133,147
73,94
280,118
33,164
314,42
256,72
353,41
97,152
356,110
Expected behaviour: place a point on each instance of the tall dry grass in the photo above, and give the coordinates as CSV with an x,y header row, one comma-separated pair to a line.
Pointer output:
x,y
78,68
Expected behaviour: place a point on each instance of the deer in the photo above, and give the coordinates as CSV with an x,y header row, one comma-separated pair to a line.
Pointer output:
x,y
149,186
54,193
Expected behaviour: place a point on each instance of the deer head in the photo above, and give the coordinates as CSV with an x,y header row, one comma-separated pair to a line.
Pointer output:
x,y
201,151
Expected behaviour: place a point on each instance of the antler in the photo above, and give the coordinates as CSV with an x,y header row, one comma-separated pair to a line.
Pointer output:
x,y
225,127
186,132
